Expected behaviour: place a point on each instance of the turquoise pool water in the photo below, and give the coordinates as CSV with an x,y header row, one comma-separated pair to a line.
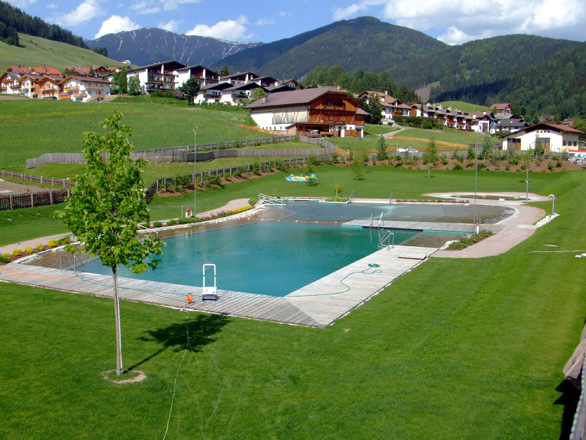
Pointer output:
x,y
292,247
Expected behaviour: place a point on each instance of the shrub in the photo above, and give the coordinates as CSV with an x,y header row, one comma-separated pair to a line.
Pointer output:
x,y
171,222
469,240
5,258
40,247
52,243
252,201
29,250
457,166
157,224
63,240
256,169
17,252
550,166
313,159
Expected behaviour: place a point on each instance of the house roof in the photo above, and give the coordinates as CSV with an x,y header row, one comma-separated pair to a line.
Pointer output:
x,y
294,97
85,79
174,65
500,106
544,126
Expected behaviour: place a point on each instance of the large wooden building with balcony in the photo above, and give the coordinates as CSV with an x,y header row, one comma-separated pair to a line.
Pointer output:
x,y
323,111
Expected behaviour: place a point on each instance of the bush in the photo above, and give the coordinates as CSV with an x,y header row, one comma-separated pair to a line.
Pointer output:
x,y
52,243
252,201
457,166
550,166
29,250
63,240
469,240
157,224
171,222
40,247
5,258
313,159
17,252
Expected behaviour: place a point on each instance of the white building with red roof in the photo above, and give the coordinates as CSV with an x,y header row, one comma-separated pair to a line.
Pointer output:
x,y
84,89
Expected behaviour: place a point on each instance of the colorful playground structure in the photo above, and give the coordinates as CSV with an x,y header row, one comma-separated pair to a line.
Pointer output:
x,y
302,178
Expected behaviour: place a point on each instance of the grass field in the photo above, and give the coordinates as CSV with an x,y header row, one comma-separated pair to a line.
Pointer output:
x,y
455,349
33,127
35,51
464,106
370,141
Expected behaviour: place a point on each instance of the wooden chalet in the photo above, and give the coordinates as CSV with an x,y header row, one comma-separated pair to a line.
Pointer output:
x,y
323,111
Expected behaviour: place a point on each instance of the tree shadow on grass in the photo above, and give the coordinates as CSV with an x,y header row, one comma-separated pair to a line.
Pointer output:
x,y
569,399
192,335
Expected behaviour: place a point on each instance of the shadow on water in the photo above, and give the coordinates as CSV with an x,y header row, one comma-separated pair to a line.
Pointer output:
x,y
569,399
201,330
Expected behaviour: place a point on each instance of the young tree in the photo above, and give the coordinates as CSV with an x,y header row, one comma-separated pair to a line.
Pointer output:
x,y
120,81
430,155
190,89
256,94
224,71
134,85
486,146
382,149
106,207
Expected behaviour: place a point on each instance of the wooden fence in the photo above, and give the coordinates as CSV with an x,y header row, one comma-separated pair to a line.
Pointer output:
x,y
51,197
203,152
32,200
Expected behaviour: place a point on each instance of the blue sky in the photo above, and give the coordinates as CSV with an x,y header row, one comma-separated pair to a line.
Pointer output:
x,y
451,21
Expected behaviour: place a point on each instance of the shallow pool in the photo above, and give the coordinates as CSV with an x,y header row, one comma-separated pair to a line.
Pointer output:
x,y
285,248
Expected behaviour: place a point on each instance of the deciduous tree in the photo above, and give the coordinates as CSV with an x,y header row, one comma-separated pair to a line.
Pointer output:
x,y
106,207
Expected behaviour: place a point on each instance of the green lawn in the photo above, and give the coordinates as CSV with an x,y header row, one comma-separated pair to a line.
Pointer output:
x,y
455,349
370,141
31,128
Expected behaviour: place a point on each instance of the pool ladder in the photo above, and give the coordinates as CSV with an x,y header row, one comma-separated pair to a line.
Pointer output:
x,y
386,238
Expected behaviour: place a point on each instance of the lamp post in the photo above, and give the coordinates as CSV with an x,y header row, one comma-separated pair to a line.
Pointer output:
x,y
553,204
194,171
475,180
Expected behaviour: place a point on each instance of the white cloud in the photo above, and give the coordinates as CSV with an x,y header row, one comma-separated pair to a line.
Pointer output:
x,y
86,11
170,26
52,5
465,20
459,21
171,5
116,24
355,8
145,7
265,21
232,30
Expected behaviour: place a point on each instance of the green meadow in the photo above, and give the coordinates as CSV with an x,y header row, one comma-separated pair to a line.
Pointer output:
x,y
454,349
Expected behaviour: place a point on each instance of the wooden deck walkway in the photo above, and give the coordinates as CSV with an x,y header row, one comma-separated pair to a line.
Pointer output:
x,y
461,228
316,305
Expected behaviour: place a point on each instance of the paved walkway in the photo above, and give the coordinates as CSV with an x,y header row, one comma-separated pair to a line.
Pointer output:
x,y
515,229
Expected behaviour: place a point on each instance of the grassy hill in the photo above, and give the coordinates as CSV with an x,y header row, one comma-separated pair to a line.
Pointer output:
x,y
36,51
464,106
30,128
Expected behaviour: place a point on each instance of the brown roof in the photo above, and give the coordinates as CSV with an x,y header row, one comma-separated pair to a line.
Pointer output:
x,y
294,97
86,79
500,105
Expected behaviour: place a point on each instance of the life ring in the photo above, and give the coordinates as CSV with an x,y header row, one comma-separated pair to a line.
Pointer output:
x,y
188,213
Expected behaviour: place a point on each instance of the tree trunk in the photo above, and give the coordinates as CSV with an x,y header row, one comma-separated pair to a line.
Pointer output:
x,y
119,368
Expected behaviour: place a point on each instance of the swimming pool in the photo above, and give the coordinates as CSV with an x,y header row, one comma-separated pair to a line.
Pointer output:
x,y
285,248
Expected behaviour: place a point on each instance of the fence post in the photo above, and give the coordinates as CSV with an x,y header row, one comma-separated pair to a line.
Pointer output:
x,y
32,201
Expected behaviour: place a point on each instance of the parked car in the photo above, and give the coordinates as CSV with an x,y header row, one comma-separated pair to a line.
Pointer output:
x,y
409,150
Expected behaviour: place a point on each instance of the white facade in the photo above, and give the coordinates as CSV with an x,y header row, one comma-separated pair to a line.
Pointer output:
x,y
552,138
280,120
85,89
